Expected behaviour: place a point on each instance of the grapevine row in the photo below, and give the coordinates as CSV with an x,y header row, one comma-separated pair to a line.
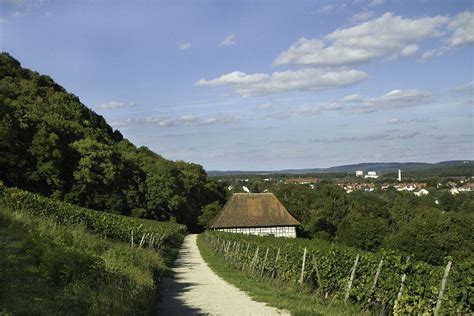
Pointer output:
x,y
137,232
384,281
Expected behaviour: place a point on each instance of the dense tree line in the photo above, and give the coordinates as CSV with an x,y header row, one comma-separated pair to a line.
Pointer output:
x,y
386,219
430,227
50,143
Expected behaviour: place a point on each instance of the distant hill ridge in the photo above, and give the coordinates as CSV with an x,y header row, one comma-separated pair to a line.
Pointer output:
x,y
382,167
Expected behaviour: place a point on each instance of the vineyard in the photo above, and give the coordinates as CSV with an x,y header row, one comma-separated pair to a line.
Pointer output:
x,y
58,258
137,232
383,281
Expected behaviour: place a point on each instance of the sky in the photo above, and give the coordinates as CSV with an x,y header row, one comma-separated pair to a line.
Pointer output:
x,y
263,85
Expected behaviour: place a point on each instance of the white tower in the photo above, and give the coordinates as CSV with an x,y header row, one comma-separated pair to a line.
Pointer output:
x,y
399,175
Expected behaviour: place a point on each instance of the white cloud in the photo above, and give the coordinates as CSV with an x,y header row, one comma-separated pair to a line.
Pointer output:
x,y
265,106
462,27
228,41
395,99
184,46
394,121
387,35
356,103
186,120
113,105
409,50
353,98
235,78
362,16
310,79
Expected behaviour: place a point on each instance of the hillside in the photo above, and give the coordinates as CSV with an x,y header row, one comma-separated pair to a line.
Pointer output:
x,y
382,167
61,259
53,144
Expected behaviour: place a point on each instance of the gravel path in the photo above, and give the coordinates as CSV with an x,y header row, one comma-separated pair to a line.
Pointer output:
x,y
196,290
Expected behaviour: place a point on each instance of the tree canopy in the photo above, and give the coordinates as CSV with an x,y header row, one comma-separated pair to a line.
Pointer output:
x,y
52,144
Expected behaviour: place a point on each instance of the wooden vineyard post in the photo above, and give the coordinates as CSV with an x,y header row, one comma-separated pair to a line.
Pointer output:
x,y
245,257
142,241
264,261
236,254
320,284
254,260
131,239
349,284
402,283
275,263
441,290
302,267
376,278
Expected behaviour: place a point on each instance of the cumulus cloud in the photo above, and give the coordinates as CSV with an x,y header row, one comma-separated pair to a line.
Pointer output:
x,y
113,105
228,41
184,46
235,78
461,29
387,35
394,121
310,79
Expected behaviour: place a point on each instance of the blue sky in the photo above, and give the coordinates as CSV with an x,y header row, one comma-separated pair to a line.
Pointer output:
x,y
263,85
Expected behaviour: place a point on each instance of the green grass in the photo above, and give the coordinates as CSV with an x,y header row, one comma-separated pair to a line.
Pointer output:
x,y
51,269
284,296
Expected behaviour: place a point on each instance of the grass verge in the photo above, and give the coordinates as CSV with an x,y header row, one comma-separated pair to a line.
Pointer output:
x,y
52,269
274,293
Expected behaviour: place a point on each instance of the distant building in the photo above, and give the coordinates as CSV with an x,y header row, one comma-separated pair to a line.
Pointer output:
x,y
371,174
245,189
301,180
421,192
359,173
255,214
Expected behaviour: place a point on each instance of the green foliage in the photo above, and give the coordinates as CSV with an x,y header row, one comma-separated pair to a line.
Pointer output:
x,y
208,213
328,268
51,269
53,145
151,234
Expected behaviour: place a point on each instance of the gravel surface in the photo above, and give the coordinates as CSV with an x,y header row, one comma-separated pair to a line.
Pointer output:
x,y
196,290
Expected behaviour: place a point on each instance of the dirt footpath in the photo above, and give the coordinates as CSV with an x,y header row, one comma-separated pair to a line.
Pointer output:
x,y
196,290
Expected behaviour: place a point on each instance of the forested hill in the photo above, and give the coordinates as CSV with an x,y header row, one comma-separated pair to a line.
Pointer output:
x,y
50,143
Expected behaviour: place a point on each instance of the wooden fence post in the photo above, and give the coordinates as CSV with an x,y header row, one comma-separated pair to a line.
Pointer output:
x,y
264,261
402,283
254,261
320,284
349,285
302,267
376,278
275,263
142,241
131,238
245,257
441,290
